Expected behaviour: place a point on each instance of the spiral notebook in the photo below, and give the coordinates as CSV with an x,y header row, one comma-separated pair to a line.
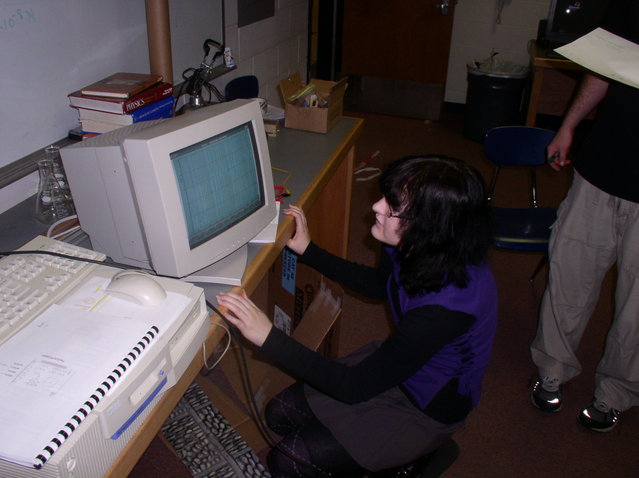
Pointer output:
x,y
56,371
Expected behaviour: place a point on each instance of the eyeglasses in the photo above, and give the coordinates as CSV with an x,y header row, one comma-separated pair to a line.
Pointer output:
x,y
398,216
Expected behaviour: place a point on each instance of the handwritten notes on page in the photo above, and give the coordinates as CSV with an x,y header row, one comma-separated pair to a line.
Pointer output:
x,y
607,54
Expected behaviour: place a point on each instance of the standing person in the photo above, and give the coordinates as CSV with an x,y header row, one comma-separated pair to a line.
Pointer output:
x,y
394,401
597,225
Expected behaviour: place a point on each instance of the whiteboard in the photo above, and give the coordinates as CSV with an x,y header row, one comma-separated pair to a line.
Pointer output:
x,y
50,48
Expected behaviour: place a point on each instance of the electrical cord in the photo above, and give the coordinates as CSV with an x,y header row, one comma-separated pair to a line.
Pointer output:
x,y
226,348
261,426
198,79
126,267
232,332
64,256
117,265
246,378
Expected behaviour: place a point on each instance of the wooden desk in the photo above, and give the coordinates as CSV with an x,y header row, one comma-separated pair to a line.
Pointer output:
x,y
324,164
553,83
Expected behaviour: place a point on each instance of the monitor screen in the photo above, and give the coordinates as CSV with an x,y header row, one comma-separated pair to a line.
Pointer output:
x,y
571,19
209,207
179,196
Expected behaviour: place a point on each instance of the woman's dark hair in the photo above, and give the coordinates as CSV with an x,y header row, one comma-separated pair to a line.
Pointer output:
x,y
444,220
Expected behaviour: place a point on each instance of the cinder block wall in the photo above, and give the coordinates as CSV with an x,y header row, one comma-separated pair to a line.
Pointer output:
x,y
273,48
270,49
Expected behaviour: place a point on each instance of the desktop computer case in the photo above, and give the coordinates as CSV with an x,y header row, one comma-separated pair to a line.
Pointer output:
x,y
89,451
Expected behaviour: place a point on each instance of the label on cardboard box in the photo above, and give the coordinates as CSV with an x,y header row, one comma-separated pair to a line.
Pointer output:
x,y
289,271
282,320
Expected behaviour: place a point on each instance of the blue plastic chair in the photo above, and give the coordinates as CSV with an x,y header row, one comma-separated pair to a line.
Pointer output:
x,y
242,87
520,229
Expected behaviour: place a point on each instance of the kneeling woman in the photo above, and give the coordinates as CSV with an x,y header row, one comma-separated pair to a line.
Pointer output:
x,y
393,401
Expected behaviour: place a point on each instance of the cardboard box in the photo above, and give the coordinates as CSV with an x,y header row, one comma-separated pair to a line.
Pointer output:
x,y
226,385
299,114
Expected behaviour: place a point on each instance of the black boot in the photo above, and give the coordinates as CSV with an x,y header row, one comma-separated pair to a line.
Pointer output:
x,y
430,466
440,460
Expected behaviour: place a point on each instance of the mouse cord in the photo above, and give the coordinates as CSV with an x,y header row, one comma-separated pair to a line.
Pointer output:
x,y
223,353
261,426
64,256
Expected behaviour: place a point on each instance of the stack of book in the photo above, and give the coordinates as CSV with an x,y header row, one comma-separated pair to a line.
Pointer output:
x,y
122,99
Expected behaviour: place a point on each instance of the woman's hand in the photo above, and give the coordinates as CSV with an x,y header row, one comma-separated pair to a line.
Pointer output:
x,y
302,237
246,316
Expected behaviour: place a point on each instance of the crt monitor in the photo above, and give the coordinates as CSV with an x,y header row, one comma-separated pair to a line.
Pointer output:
x,y
182,196
571,19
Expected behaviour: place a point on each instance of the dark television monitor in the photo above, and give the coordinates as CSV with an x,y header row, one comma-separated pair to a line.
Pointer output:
x,y
571,19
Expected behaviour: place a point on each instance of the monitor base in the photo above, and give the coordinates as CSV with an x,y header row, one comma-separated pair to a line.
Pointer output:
x,y
229,270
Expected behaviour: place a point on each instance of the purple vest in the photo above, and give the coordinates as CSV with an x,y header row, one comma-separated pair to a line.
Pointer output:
x,y
467,357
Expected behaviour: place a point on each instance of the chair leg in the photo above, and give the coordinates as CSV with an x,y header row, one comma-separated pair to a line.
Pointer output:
x,y
540,265
493,182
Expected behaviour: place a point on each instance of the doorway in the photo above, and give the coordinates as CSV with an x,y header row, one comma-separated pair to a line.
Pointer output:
x,y
394,53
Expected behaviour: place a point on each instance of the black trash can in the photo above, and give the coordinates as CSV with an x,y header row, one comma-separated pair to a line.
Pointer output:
x,y
494,96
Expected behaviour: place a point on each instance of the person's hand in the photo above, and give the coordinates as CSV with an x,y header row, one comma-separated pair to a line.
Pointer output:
x,y
302,237
558,150
246,316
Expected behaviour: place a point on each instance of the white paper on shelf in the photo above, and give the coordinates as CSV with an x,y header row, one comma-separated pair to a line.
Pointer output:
x,y
269,233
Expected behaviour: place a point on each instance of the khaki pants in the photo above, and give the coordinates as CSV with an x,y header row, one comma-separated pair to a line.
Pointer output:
x,y
593,231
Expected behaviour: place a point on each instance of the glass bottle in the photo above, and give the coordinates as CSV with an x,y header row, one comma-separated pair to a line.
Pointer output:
x,y
53,153
52,203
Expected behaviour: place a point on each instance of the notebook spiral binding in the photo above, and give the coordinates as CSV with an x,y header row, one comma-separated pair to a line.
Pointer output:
x,y
94,399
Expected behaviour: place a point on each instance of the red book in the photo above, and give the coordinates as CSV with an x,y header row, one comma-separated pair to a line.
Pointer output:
x,y
121,85
121,106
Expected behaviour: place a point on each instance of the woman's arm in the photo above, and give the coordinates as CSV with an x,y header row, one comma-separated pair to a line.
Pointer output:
x,y
413,342
418,336
365,280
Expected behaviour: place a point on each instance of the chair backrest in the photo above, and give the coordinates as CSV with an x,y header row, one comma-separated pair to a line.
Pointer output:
x,y
242,87
517,145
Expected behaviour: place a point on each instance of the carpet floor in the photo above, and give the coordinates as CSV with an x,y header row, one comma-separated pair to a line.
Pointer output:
x,y
505,436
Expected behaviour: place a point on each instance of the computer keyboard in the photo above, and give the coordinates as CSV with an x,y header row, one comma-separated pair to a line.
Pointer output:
x,y
29,283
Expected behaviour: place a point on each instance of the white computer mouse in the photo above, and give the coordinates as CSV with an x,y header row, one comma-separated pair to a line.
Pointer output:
x,y
137,287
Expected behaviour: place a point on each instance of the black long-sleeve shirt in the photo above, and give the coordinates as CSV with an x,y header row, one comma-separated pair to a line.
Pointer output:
x,y
417,337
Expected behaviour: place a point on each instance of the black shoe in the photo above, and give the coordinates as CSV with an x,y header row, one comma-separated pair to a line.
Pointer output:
x,y
599,417
430,466
546,394
440,460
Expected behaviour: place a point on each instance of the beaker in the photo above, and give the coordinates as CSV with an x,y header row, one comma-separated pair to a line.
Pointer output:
x,y
53,153
52,203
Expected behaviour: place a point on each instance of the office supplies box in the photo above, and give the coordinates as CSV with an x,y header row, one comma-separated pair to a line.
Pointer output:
x,y
314,107
91,441
266,378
